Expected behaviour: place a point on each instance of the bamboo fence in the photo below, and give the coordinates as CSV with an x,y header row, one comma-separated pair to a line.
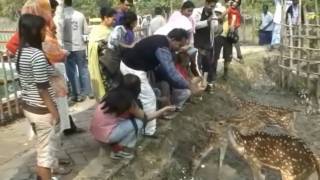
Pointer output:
x,y
300,50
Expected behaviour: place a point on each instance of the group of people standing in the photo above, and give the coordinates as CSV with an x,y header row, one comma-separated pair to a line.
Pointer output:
x,y
134,82
270,24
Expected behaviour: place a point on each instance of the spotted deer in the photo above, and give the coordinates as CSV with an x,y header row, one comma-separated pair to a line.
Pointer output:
x,y
284,153
269,114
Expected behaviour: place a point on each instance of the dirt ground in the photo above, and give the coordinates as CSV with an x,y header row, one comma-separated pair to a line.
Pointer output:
x,y
183,140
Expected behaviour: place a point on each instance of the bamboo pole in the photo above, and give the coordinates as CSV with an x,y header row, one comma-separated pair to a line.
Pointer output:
x,y
253,28
318,45
291,43
282,42
244,36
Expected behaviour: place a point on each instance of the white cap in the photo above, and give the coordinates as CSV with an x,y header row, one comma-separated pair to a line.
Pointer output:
x,y
220,8
176,20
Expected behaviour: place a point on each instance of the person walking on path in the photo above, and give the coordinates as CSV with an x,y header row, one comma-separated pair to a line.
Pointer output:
x,y
276,33
75,32
266,26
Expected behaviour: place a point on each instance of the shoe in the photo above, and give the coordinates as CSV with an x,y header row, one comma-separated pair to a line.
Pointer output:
x,y
121,155
91,97
80,99
71,131
241,61
61,171
209,88
64,162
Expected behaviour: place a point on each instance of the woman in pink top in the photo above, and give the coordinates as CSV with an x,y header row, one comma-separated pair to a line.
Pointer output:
x,y
118,119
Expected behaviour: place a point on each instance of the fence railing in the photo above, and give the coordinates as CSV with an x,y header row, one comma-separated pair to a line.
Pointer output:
x,y
9,90
300,53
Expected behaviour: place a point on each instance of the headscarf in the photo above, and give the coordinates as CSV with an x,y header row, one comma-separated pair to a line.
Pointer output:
x,y
51,47
39,8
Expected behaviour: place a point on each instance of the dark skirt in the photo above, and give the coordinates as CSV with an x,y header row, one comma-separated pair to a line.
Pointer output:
x,y
265,37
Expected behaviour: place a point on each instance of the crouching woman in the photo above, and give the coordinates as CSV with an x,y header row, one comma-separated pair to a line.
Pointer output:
x,y
118,120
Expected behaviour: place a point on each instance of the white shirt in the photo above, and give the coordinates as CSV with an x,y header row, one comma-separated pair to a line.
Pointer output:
x,y
277,13
75,30
265,20
156,23
295,15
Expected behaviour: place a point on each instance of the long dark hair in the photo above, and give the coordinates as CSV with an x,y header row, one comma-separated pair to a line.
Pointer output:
x,y
120,99
128,18
30,27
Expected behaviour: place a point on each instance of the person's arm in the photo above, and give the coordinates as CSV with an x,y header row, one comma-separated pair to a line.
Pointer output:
x,y
233,22
138,112
13,43
40,68
85,29
167,66
197,17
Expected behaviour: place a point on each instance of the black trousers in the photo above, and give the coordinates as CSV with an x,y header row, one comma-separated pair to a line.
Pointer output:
x,y
205,58
219,43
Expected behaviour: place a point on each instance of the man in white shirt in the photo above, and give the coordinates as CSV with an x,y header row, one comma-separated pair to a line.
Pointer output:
x,y
293,15
75,33
276,33
205,24
266,26
157,22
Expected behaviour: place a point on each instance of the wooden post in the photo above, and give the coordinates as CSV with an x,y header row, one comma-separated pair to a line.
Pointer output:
x,y
282,42
253,28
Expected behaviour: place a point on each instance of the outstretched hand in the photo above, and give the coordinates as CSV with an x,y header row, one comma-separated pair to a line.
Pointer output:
x,y
171,108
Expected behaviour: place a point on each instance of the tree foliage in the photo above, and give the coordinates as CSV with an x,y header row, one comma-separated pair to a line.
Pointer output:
x,y
9,8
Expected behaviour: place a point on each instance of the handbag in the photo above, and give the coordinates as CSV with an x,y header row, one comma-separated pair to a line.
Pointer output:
x,y
232,36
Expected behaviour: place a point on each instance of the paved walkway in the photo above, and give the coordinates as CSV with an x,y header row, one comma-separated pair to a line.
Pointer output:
x,y
17,157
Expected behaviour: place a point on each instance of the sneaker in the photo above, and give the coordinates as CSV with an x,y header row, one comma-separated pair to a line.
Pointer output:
x,y
91,97
61,171
80,99
121,155
209,88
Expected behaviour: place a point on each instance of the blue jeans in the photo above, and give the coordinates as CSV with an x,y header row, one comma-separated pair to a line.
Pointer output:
x,y
124,133
80,80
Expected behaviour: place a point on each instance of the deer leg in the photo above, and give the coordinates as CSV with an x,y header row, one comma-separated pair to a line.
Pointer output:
x,y
256,170
287,176
291,125
222,153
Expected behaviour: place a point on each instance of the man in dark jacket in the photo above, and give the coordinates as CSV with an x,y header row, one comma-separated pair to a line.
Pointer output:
x,y
150,54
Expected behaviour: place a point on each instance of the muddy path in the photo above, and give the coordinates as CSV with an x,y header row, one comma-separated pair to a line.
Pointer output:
x,y
187,142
